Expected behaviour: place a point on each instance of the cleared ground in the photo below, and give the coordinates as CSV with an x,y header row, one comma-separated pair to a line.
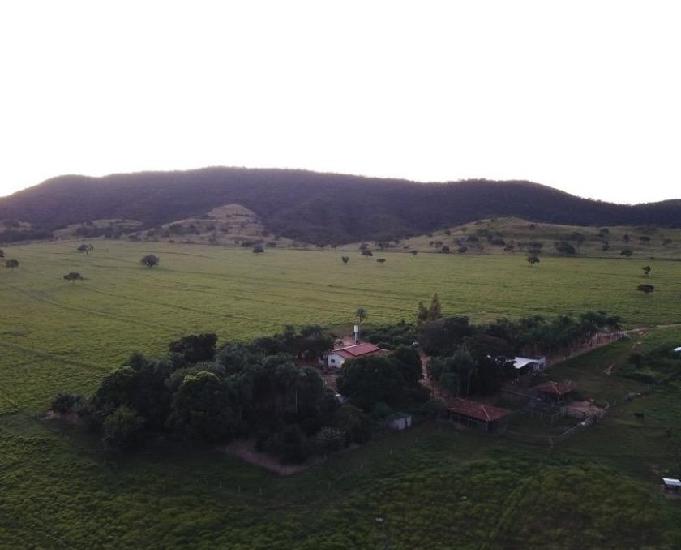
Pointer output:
x,y
432,487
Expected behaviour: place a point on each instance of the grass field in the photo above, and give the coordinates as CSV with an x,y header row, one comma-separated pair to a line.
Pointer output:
x,y
431,487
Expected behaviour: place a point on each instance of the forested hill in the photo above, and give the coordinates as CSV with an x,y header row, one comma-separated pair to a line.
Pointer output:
x,y
314,207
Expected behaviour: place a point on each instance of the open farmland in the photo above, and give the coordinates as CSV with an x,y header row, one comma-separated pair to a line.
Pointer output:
x,y
61,335
430,487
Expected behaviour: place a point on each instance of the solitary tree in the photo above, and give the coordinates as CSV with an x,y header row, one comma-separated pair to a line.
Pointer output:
x,y
646,270
87,248
150,260
380,260
646,289
366,252
258,249
12,264
414,252
533,259
345,259
73,276
361,315
2,254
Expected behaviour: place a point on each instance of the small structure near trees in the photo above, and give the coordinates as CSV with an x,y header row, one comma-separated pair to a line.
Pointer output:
x,y
534,364
672,485
479,415
337,356
399,421
555,391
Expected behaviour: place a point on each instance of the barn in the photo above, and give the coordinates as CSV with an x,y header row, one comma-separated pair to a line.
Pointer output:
x,y
480,415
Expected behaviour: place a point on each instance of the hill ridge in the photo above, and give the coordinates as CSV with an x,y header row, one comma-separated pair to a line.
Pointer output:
x,y
321,208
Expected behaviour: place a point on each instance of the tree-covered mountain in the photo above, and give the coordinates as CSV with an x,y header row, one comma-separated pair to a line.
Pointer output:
x,y
315,207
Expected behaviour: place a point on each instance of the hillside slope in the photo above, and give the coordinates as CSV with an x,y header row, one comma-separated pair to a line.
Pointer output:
x,y
314,207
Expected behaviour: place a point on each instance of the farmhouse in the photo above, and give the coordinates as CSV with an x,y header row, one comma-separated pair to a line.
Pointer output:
x,y
480,415
555,391
340,355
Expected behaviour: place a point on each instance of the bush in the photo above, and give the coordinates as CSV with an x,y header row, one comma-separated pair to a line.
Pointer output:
x,y
353,423
65,403
329,440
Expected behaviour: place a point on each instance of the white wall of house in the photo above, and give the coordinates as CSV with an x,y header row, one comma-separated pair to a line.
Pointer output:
x,y
335,361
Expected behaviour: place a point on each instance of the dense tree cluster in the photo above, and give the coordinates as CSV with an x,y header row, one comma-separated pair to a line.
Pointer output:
x,y
476,358
391,381
205,395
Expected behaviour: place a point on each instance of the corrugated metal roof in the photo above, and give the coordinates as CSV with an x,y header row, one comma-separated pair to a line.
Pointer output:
x,y
356,350
477,410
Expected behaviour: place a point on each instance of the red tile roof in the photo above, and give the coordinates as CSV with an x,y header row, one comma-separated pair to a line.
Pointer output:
x,y
556,388
476,410
356,350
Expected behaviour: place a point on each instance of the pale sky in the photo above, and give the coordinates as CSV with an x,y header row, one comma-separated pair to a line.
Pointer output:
x,y
581,95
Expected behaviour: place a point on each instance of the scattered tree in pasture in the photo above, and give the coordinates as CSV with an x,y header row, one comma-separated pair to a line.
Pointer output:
x,y
2,253
73,276
564,248
258,249
605,246
665,242
150,260
380,260
646,271
366,252
435,309
414,252
87,248
345,259
194,348
462,249
533,259
626,252
646,289
445,249
12,264
626,238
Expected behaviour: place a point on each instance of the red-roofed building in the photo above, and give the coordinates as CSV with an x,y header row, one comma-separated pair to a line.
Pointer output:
x,y
555,391
482,415
340,355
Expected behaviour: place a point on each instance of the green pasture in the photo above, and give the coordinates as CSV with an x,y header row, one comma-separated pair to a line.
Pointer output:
x,y
432,487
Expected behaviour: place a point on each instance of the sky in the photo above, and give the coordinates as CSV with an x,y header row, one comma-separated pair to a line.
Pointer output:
x,y
580,95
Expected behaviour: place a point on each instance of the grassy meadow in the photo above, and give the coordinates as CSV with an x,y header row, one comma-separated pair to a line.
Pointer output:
x,y
433,486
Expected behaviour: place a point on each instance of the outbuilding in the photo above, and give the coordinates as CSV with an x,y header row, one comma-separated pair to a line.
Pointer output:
x,y
480,415
399,421
672,485
534,364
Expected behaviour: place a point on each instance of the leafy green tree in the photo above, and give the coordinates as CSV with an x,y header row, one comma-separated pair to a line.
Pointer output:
x,y
368,380
414,252
366,252
421,314
409,363
533,259
195,348
329,440
345,259
73,276
258,249
2,253
380,260
354,423
150,260
12,264
646,289
646,271
435,309
201,409
627,253
123,429
361,315
86,248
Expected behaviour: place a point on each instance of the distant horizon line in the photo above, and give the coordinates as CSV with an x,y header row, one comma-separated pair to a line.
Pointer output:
x,y
322,172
